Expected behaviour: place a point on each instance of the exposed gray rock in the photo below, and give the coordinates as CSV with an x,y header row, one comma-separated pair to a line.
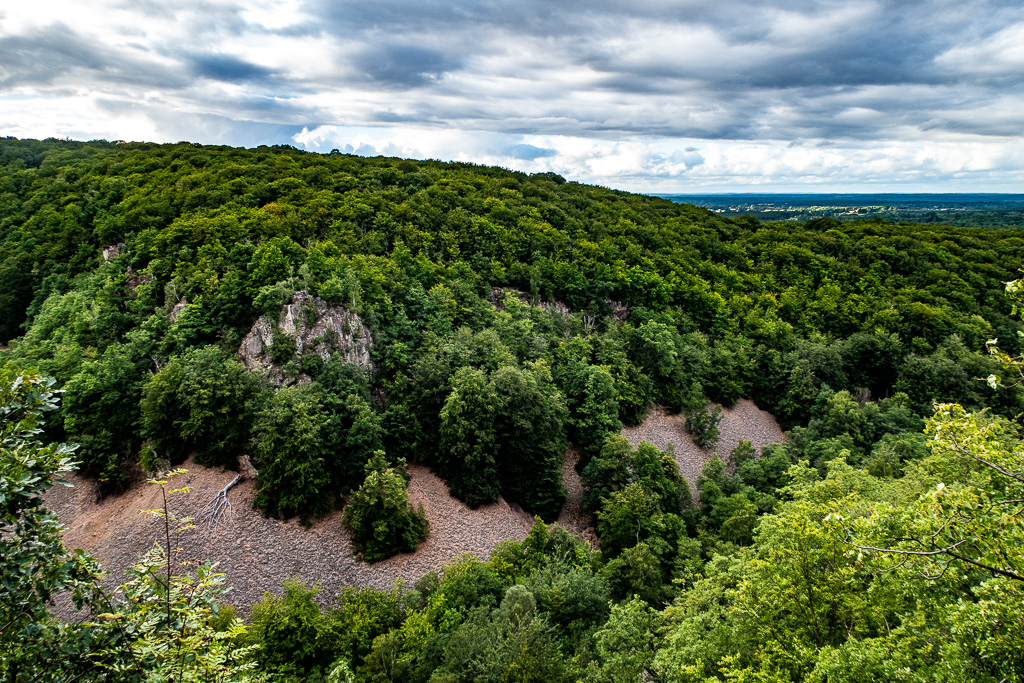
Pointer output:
x,y
620,310
574,516
135,280
315,326
497,299
556,307
497,296
113,251
259,553
743,421
176,311
245,467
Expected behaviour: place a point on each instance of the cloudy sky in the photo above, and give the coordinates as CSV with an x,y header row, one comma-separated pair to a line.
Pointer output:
x,y
645,95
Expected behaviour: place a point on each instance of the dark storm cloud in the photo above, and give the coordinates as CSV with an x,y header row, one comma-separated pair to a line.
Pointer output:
x,y
760,58
885,47
41,56
227,68
401,65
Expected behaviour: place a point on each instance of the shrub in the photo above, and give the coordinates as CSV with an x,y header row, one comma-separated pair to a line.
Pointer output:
x,y
702,422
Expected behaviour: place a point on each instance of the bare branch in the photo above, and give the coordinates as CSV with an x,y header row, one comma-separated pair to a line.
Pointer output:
x,y
995,570
963,450
997,468
948,550
918,553
215,510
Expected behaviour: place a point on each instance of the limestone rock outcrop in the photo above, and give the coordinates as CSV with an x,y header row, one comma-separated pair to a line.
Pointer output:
x,y
314,326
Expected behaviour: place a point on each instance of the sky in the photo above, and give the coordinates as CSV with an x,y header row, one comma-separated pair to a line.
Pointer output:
x,y
657,96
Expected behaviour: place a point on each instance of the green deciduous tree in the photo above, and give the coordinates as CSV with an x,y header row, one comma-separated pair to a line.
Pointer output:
x,y
619,465
203,402
293,456
702,418
973,518
379,514
469,457
295,642
627,644
593,411
512,643
530,431
101,409
629,516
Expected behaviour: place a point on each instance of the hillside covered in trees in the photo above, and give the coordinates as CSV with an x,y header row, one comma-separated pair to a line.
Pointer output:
x,y
332,317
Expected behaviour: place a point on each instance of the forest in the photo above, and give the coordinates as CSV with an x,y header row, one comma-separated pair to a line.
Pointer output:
x,y
332,318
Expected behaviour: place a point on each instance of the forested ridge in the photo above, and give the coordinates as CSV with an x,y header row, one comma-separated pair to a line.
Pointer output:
x,y
506,317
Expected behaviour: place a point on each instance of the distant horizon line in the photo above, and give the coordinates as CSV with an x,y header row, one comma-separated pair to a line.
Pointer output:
x,y
820,194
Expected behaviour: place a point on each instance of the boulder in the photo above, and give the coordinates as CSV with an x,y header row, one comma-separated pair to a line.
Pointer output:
x,y
177,310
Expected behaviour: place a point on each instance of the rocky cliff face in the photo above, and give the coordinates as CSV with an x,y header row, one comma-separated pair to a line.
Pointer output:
x,y
313,326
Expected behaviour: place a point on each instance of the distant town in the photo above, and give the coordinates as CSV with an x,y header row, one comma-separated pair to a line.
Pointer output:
x,y
981,210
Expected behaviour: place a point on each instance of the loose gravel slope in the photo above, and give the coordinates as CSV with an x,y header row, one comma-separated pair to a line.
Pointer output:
x,y
258,553
743,421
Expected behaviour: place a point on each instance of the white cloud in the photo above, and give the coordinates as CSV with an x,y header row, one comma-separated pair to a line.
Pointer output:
x,y
274,14
799,29
999,54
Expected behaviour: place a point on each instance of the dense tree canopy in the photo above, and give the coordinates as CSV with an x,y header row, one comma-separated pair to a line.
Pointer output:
x,y
120,260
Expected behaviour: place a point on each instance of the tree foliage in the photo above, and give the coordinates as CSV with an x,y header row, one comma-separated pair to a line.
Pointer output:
x,y
203,402
379,514
166,617
161,625
293,455
33,561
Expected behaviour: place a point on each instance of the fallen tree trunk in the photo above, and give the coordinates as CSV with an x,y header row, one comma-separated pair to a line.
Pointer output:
x,y
214,512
